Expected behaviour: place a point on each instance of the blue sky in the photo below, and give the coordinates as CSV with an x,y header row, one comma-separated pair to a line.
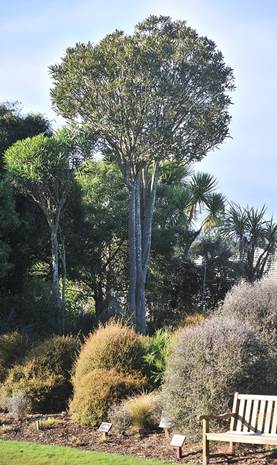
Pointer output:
x,y
35,34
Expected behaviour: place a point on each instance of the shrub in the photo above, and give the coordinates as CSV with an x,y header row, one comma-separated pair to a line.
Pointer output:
x,y
12,349
98,390
18,405
255,303
192,319
156,352
208,364
44,375
114,345
120,417
142,412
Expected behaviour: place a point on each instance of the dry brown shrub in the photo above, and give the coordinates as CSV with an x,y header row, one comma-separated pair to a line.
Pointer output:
x,y
98,390
114,345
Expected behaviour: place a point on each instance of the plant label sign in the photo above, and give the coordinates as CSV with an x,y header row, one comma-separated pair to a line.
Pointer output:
x,y
105,427
177,441
165,423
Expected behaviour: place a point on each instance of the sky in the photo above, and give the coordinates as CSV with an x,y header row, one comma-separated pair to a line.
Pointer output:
x,y
35,34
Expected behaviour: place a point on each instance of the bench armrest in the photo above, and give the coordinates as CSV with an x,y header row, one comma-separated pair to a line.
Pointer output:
x,y
223,416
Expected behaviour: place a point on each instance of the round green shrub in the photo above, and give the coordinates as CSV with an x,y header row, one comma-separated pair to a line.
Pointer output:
x,y
98,390
254,303
114,345
44,375
208,363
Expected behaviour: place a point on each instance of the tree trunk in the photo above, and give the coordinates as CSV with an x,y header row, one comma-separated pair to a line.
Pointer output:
x,y
142,196
132,252
140,281
55,264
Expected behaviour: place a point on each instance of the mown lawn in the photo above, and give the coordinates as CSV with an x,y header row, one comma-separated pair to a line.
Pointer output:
x,y
23,453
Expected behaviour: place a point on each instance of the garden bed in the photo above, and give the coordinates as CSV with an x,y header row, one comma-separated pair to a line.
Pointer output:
x,y
65,433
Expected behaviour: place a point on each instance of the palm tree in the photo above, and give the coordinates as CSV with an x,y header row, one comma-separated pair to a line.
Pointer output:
x,y
255,236
187,204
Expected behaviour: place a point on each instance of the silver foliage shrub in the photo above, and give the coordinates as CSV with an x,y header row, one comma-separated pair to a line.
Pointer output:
x,y
120,417
256,304
208,364
18,405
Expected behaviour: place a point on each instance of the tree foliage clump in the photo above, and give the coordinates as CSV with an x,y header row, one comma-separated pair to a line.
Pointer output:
x,y
44,375
208,364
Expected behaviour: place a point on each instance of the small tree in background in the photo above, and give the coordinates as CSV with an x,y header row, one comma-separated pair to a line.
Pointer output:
x,y
160,93
42,169
255,237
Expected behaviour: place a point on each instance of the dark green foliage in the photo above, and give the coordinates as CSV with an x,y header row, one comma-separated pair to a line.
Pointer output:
x,y
97,235
157,349
14,126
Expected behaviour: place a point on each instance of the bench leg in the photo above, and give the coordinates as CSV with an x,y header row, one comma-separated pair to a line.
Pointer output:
x,y
205,443
231,448
206,452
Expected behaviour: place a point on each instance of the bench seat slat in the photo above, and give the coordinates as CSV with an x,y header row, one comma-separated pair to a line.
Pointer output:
x,y
268,417
261,415
245,438
254,416
246,420
256,397
274,419
240,415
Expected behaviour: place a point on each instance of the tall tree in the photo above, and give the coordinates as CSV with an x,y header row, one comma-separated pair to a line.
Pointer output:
x,y
42,169
160,93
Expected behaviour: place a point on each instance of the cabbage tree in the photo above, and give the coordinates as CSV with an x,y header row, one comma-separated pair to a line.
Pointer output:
x,y
161,93
42,169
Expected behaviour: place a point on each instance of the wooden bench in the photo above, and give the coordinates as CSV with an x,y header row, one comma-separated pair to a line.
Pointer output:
x,y
253,420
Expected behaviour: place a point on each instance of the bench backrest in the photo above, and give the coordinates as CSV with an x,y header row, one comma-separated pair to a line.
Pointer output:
x,y
254,413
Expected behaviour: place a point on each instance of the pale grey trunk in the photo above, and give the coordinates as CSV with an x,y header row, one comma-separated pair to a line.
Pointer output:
x,y
140,284
132,252
55,264
142,196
